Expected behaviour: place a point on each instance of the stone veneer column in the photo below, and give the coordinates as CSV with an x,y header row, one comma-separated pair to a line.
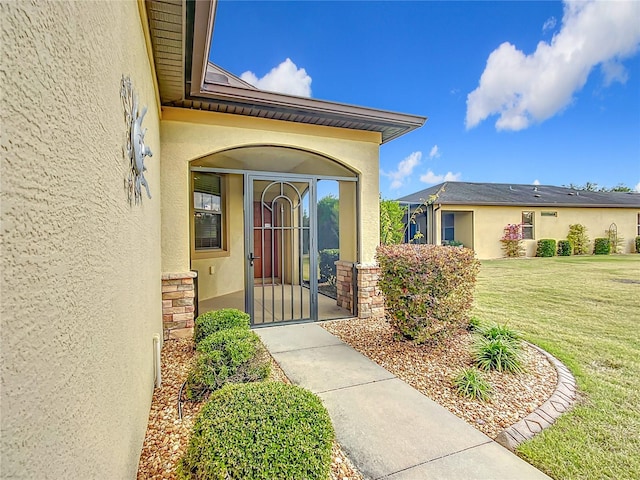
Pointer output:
x,y
370,299
344,284
178,294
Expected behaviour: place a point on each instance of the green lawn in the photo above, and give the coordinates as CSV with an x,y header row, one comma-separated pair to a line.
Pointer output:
x,y
586,312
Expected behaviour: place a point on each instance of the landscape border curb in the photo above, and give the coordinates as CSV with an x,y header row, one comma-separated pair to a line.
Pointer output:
x,y
562,399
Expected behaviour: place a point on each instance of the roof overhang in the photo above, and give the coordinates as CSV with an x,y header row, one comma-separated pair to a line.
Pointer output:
x,y
181,32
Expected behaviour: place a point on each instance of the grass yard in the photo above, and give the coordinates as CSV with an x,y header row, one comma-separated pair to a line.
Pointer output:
x,y
586,312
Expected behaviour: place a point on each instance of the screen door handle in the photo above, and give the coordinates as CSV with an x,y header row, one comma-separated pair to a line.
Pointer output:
x,y
252,258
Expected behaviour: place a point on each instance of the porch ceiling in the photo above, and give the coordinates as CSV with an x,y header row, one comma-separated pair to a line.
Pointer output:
x,y
274,159
180,37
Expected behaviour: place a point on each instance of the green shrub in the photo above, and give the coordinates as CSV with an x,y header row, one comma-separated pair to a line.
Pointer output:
x,y
266,430
216,320
638,244
498,354
474,324
493,332
546,248
601,246
564,248
428,289
228,356
512,241
471,384
391,222
328,259
578,238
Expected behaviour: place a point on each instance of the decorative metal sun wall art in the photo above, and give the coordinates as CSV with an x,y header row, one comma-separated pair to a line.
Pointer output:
x,y
134,149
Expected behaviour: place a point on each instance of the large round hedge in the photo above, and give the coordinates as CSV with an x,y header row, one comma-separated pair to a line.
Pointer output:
x,y
216,320
263,430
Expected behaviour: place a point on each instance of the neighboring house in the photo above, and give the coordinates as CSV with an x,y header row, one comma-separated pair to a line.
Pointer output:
x,y
475,214
88,277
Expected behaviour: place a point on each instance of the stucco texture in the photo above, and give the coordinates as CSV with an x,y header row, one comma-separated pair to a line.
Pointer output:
x,y
192,135
81,293
488,223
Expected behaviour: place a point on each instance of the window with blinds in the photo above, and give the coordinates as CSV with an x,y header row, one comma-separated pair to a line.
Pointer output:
x,y
207,210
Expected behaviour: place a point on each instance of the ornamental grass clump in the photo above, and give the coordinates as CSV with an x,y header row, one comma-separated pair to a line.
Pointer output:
x,y
216,320
470,383
234,355
260,431
500,354
492,332
428,289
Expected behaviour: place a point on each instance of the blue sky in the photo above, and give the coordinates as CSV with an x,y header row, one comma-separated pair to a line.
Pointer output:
x,y
515,92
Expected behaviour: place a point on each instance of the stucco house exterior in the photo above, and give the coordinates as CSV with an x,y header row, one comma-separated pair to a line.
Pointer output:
x,y
100,101
475,214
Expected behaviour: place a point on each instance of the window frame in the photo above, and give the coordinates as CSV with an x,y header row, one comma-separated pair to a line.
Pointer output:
x,y
445,227
528,226
213,252
639,223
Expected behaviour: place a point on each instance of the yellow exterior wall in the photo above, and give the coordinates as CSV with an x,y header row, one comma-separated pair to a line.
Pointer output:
x,y
225,274
190,135
81,295
463,228
489,222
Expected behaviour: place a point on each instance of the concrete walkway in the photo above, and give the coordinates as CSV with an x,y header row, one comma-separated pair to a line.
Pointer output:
x,y
388,429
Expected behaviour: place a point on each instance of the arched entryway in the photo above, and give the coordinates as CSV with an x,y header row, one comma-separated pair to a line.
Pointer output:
x,y
259,224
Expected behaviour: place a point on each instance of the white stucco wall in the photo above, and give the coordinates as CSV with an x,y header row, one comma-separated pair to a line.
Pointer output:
x,y
81,296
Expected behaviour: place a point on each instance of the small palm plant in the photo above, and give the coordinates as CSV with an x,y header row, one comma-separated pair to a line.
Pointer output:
x,y
470,383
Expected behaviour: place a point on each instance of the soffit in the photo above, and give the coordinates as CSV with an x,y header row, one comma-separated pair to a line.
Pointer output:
x,y
173,33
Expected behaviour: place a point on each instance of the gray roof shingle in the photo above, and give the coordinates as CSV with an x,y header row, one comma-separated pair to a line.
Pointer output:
x,y
465,193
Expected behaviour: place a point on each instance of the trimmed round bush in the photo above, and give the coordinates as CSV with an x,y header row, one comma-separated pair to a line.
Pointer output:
x,y
638,244
546,248
216,320
234,355
266,430
601,246
428,289
564,248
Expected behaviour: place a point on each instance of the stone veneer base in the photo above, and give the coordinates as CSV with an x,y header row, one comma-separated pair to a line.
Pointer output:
x,y
370,299
178,307
546,414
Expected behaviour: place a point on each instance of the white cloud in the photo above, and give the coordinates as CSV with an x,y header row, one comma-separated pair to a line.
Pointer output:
x,y
637,187
536,182
524,89
435,152
432,178
285,78
549,24
405,168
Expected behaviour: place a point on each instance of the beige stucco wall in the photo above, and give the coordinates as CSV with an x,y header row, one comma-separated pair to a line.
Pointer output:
x,y
225,274
81,296
190,135
489,222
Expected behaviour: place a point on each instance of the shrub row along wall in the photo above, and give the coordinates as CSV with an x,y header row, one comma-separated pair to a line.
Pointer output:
x,y
428,289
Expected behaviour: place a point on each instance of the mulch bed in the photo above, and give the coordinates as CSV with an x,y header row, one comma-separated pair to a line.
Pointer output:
x,y
167,436
430,369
